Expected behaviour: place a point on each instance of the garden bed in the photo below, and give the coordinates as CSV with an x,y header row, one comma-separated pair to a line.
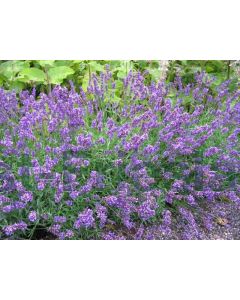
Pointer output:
x,y
158,161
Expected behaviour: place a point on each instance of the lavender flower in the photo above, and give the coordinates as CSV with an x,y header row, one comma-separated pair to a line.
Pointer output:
x,y
85,219
60,219
32,216
11,229
27,197
211,151
41,186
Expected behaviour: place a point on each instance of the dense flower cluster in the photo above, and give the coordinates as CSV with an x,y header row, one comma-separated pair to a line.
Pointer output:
x,y
85,163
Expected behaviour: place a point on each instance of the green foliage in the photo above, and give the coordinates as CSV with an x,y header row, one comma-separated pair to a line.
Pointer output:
x,y
32,75
58,74
187,69
9,69
46,63
44,74
19,75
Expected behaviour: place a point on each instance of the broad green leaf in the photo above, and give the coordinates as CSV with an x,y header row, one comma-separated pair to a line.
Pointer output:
x,y
154,64
63,63
121,74
58,74
16,85
218,65
114,63
10,68
33,74
155,73
184,62
77,61
22,78
209,69
45,63
119,87
126,66
96,67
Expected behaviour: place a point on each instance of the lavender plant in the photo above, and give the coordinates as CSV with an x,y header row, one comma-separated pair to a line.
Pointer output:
x,y
83,165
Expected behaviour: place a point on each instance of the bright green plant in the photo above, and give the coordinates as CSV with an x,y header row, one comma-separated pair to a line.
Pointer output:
x,y
44,74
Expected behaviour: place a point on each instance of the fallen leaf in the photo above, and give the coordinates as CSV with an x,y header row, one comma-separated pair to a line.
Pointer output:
x,y
222,221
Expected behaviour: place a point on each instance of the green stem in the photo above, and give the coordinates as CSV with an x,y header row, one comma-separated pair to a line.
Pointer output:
x,y
202,65
89,71
48,81
228,69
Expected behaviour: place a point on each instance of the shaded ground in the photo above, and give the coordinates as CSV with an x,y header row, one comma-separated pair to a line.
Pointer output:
x,y
225,224
43,234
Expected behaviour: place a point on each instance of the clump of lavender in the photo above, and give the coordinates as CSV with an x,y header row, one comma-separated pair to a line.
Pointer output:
x,y
92,164
85,219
